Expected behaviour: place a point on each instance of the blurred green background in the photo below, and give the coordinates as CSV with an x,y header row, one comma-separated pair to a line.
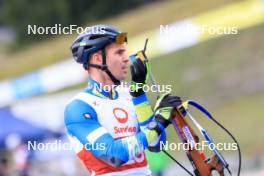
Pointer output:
x,y
225,74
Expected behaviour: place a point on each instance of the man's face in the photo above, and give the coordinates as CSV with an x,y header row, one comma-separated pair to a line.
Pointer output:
x,y
117,60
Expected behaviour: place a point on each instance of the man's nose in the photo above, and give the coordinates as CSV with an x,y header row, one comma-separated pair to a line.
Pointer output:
x,y
126,59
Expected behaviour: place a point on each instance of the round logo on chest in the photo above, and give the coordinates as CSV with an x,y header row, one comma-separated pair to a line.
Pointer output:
x,y
120,114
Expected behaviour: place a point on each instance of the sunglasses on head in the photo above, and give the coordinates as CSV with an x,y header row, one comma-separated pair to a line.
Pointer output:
x,y
121,38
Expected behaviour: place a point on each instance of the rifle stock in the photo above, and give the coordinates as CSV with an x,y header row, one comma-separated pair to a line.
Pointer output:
x,y
201,165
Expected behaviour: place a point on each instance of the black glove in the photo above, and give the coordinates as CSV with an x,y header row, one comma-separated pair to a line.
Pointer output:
x,y
164,108
140,76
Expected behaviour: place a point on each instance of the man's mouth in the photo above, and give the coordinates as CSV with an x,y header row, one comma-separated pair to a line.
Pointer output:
x,y
124,69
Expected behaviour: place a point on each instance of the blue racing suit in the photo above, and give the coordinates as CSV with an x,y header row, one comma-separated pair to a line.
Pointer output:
x,y
110,135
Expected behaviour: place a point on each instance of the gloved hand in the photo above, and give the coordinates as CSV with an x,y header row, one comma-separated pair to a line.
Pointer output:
x,y
164,107
139,73
163,112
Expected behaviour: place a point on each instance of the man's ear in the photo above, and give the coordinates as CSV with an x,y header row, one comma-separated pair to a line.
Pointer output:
x,y
96,58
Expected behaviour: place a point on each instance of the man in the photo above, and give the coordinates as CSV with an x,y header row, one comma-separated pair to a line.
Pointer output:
x,y
114,126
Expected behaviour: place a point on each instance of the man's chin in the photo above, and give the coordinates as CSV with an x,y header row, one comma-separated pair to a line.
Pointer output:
x,y
122,77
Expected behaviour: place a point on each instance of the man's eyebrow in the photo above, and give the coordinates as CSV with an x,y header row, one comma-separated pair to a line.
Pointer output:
x,y
120,50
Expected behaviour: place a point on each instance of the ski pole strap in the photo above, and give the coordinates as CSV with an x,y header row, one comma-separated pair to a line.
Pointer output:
x,y
197,106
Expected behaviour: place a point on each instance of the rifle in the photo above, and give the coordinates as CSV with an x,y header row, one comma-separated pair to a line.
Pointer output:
x,y
202,165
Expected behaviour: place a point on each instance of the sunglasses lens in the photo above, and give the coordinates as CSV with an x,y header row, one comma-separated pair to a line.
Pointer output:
x,y
121,38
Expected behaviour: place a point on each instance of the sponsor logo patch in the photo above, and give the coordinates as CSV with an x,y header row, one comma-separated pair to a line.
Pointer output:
x,y
127,129
87,116
120,114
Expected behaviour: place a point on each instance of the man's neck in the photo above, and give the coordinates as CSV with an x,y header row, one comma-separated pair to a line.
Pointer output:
x,y
103,81
105,85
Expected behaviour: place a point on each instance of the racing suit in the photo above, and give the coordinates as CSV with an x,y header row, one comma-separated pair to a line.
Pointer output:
x,y
106,133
